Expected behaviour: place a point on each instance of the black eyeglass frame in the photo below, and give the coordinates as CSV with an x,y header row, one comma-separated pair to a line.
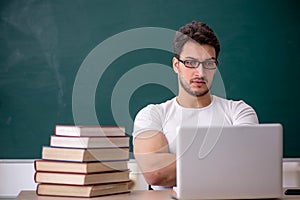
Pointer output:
x,y
199,62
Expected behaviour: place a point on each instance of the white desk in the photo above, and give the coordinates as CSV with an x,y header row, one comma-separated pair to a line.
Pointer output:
x,y
134,195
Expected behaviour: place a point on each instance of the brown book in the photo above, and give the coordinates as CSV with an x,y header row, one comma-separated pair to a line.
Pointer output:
x,y
89,142
69,130
79,167
82,191
81,179
85,155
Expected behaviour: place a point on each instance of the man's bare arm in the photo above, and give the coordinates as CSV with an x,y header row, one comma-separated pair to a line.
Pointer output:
x,y
151,151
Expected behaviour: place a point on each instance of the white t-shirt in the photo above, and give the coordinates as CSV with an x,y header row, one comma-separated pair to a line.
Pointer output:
x,y
167,116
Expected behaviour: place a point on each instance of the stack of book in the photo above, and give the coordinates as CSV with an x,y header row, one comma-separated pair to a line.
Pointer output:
x,y
84,161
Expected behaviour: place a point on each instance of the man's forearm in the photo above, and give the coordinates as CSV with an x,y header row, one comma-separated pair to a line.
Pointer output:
x,y
158,168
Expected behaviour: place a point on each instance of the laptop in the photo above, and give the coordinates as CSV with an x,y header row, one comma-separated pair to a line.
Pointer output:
x,y
229,162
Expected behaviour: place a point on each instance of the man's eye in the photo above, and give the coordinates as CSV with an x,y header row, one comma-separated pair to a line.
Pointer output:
x,y
188,62
210,63
191,62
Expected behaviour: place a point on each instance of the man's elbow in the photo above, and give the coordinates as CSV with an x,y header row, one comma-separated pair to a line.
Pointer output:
x,y
153,178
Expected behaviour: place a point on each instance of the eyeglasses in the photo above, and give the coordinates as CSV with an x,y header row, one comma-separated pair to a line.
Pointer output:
x,y
207,64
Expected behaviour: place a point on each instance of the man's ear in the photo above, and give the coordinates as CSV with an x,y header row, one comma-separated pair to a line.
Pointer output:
x,y
175,63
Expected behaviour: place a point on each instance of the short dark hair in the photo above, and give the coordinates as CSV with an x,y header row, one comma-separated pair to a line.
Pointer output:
x,y
197,31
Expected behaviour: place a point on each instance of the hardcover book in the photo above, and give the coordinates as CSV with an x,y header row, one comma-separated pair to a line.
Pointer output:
x,y
83,131
85,155
81,179
82,191
79,167
89,142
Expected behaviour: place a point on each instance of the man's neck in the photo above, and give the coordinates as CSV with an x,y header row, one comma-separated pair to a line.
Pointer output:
x,y
188,101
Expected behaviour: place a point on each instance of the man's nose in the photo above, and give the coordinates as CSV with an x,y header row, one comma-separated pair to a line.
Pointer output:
x,y
200,71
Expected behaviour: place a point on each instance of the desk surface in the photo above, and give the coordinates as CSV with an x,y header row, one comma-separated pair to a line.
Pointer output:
x,y
133,195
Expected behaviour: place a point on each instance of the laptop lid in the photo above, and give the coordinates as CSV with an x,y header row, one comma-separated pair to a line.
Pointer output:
x,y
229,162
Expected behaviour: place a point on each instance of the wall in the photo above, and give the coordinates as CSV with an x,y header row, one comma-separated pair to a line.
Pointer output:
x,y
45,43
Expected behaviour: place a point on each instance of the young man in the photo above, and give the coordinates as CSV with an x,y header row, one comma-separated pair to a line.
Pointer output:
x,y
196,50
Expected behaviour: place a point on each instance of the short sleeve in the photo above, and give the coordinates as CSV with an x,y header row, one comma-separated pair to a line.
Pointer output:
x,y
244,114
149,118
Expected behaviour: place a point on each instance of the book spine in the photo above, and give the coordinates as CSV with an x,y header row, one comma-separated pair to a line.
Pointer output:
x,y
35,178
37,189
34,165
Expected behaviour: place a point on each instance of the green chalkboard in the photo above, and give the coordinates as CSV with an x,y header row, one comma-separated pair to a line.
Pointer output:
x,y
55,53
